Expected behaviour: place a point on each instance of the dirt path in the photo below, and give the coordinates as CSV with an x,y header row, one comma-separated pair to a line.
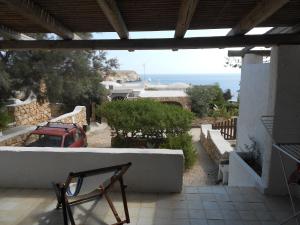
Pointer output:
x,y
99,136
204,172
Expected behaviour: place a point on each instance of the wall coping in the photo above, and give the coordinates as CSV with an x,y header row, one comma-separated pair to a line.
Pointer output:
x,y
93,150
219,141
205,128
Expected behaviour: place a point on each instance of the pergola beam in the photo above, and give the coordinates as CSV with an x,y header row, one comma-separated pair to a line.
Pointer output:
x,y
275,30
10,34
155,44
113,14
255,52
185,15
30,10
263,10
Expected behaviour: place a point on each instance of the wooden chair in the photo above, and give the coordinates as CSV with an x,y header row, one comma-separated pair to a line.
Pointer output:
x,y
66,198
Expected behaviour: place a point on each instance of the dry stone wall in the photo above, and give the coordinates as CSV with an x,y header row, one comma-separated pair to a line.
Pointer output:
x,y
214,143
30,113
78,116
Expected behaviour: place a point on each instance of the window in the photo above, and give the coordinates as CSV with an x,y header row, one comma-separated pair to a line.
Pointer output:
x,y
69,139
78,135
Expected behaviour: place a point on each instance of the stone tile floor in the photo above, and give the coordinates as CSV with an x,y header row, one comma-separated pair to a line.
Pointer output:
x,y
196,205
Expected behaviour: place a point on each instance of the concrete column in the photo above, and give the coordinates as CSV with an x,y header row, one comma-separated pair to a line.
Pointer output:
x,y
252,59
285,69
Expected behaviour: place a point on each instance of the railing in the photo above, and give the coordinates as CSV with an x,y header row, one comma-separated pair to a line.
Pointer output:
x,y
227,128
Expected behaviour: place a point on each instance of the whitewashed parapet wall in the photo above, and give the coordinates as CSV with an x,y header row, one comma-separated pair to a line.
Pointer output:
x,y
30,112
214,143
152,170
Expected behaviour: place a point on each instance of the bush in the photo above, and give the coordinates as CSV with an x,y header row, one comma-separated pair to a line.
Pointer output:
x,y
184,142
209,100
204,97
4,118
146,119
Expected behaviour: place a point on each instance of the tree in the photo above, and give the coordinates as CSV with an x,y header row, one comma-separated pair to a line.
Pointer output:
x,y
72,77
204,97
227,95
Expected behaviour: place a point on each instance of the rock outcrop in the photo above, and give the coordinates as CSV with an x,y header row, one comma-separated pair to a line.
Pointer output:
x,y
123,76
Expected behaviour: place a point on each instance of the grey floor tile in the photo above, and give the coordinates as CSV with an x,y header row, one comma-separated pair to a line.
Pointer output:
x,y
197,214
230,214
215,222
247,215
198,222
226,205
194,204
264,216
208,205
214,214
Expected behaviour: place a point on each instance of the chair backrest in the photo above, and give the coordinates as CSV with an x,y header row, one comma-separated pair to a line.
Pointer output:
x,y
75,181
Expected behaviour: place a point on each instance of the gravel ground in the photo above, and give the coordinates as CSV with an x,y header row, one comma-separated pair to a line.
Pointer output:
x,y
204,172
99,136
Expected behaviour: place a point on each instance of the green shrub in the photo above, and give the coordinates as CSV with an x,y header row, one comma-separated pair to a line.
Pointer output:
x,y
146,119
4,118
185,143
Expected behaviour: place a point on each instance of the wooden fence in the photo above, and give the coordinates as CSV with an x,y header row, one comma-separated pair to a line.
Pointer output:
x,y
227,128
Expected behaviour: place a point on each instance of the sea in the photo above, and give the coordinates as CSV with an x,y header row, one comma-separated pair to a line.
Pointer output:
x,y
225,81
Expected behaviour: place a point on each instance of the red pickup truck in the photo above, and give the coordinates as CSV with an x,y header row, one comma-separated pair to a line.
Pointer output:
x,y
57,135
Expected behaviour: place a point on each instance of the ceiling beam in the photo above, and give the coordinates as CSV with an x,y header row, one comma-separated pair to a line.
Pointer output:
x,y
10,34
185,15
275,30
263,10
255,52
113,14
30,10
155,44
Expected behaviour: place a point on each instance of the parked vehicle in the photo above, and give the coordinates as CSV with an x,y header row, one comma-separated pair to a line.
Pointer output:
x,y
57,135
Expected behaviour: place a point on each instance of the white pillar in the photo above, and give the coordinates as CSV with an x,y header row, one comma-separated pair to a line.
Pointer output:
x,y
285,104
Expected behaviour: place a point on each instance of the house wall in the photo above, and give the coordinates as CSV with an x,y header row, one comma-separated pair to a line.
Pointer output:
x,y
270,90
255,94
152,170
286,70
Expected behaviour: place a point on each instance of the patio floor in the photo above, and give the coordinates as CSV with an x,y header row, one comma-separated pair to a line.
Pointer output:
x,y
207,205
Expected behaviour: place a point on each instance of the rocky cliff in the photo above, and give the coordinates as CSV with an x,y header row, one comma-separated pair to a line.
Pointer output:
x,y
123,76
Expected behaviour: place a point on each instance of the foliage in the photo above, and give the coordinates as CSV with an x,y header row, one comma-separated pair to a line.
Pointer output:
x,y
184,142
209,100
5,83
4,118
146,118
72,77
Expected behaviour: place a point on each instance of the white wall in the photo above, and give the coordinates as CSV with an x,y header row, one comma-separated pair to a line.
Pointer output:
x,y
286,71
152,170
240,174
255,93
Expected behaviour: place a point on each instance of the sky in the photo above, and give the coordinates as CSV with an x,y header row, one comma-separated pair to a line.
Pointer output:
x,y
194,61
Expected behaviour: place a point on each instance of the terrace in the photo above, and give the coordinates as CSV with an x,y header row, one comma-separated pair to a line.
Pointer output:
x,y
26,174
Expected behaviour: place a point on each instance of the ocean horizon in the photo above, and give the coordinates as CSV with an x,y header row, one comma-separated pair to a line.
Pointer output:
x,y
224,80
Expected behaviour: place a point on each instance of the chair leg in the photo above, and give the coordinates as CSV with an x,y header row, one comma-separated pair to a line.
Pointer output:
x,y
122,186
63,205
111,205
70,214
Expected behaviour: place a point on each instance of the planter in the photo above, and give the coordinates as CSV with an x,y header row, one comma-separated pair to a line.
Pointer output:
x,y
241,174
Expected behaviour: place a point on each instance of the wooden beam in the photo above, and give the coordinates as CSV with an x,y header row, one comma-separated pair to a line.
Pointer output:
x,y
275,30
30,10
10,34
113,14
155,44
255,52
263,10
185,15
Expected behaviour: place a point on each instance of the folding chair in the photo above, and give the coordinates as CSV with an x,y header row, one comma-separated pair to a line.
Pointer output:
x,y
67,197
